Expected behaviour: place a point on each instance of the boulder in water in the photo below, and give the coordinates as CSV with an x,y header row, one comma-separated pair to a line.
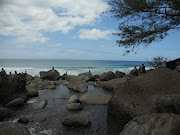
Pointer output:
x,y
73,99
52,75
107,76
15,103
77,84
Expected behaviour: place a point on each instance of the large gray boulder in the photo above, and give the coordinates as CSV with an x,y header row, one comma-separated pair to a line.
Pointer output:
x,y
153,124
107,76
86,76
8,128
77,84
32,92
139,96
119,74
76,121
114,83
95,99
12,87
52,75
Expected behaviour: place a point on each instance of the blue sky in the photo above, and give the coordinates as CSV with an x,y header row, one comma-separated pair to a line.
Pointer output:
x,y
69,29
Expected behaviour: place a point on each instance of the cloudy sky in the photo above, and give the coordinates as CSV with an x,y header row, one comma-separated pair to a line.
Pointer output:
x,y
68,29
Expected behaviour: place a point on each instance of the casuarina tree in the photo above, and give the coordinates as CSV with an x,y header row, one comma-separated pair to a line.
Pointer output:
x,y
142,22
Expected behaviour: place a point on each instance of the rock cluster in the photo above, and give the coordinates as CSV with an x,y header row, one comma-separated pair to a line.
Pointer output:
x,y
154,92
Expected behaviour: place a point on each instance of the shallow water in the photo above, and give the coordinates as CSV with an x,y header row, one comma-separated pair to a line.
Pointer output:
x,y
49,119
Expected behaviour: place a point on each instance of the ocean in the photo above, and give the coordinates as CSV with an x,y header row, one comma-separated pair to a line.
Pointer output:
x,y
72,67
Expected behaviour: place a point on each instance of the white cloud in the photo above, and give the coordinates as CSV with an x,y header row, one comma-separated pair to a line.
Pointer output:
x,y
94,34
56,45
28,19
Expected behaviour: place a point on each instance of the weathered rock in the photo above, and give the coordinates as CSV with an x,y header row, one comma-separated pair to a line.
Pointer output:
x,y
23,120
74,106
50,75
13,129
32,92
4,112
77,84
12,87
114,83
156,124
41,84
107,76
138,96
73,99
15,103
172,64
75,121
119,74
42,104
95,99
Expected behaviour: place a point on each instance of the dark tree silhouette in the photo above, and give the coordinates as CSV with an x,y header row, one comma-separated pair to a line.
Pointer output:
x,y
143,21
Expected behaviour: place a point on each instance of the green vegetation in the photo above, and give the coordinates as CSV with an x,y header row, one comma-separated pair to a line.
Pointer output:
x,y
158,62
144,21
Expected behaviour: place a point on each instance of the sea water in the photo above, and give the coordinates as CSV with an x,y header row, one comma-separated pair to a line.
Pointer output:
x,y
72,67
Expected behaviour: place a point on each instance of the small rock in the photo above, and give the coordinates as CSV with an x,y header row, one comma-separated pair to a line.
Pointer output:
x,y
76,121
63,96
73,99
23,120
42,104
32,92
15,103
74,106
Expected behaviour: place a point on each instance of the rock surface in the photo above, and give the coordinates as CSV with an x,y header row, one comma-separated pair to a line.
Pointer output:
x,y
52,75
13,129
95,99
75,121
74,106
4,112
138,96
86,76
153,124
77,84
73,99
119,74
107,76
15,103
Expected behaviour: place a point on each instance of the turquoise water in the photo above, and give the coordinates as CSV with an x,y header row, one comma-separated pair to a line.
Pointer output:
x,y
73,67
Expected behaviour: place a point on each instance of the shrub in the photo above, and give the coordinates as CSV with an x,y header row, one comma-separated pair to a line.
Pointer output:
x,y
158,62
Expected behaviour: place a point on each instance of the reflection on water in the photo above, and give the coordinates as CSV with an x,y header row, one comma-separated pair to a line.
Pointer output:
x,y
49,119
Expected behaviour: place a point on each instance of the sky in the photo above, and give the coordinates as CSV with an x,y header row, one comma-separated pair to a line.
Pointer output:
x,y
69,29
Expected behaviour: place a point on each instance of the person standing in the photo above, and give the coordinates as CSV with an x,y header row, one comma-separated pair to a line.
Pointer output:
x,y
143,68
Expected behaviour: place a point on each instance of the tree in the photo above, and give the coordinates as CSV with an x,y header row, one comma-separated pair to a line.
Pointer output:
x,y
158,62
144,21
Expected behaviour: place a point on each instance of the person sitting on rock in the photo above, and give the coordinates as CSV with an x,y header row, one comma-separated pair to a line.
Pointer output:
x,y
135,71
15,72
143,68
52,68
3,72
